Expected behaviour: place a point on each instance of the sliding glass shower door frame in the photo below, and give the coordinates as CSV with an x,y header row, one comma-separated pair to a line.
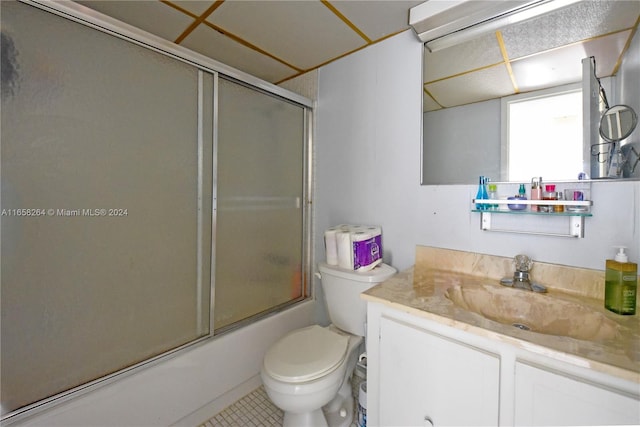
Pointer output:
x,y
255,204
79,14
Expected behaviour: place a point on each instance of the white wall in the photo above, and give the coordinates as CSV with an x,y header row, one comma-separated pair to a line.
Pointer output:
x,y
368,144
368,157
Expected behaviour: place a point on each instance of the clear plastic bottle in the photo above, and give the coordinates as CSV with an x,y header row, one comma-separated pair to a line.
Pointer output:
x,y
621,284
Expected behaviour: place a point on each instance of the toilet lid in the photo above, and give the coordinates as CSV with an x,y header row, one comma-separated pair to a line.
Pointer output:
x,y
306,354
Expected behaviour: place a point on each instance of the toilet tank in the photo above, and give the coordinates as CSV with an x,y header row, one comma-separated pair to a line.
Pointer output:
x,y
342,289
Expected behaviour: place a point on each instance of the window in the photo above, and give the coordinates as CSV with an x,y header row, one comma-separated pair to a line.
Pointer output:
x,y
542,134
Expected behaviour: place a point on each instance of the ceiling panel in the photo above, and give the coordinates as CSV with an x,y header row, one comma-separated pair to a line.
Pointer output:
x,y
465,57
152,16
196,7
564,65
302,33
277,40
543,52
479,86
211,43
377,18
582,21
428,104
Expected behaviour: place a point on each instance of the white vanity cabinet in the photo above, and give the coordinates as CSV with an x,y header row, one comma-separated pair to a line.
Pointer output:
x,y
423,372
546,397
427,378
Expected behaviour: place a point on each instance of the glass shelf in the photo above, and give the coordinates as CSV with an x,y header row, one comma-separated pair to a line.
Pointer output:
x,y
530,212
576,218
580,209
585,203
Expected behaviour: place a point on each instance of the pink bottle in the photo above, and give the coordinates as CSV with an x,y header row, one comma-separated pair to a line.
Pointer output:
x,y
536,191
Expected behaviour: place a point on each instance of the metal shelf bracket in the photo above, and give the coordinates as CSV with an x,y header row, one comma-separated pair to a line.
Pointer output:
x,y
576,227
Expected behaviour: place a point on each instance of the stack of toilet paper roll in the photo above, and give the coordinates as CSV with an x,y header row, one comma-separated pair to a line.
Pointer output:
x,y
354,247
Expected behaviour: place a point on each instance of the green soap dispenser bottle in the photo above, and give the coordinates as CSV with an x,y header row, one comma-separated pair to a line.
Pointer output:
x,y
621,284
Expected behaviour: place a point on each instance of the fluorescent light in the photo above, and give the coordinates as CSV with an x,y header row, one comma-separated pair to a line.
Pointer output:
x,y
445,23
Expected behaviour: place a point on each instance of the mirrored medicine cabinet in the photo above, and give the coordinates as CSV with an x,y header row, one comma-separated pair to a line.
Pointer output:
x,y
465,85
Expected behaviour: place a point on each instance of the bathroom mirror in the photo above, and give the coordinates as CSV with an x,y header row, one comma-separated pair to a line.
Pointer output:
x,y
617,123
463,83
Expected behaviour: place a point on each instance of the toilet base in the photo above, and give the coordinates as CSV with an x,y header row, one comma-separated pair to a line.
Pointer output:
x,y
339,412
315,418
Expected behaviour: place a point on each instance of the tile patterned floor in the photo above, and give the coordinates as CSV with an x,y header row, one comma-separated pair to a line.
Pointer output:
x,y
256,410
253,410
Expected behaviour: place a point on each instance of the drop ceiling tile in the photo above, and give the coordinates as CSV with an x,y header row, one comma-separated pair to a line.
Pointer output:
x,y
474,54
304,34
152,16
581,21
377,18
197,7
564,65
211,43
428,104
478,86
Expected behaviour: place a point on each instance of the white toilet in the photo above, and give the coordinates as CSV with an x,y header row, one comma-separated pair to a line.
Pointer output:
x,y
306,373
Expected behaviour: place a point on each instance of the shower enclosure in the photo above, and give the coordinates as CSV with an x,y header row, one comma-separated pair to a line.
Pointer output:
x,y
150,201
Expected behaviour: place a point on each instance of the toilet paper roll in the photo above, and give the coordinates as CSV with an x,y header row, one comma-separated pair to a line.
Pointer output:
x,y
344,249
331,246
373,229
330,243
358,247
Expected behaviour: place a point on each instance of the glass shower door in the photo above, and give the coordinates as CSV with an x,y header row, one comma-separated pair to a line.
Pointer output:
x,y
106,204
259,215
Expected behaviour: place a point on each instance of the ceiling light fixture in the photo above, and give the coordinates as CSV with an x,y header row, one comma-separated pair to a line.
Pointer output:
x,y
444,23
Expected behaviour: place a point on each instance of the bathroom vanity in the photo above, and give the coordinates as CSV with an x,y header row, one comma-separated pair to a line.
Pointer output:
x,y
434,362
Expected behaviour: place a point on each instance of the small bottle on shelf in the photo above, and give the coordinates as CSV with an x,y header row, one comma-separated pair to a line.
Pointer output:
x,y
558,208
576,195
522,193
536,191
493,195
548,194
482,193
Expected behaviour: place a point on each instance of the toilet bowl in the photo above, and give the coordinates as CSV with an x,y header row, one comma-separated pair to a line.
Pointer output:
x,y
304,371
307,372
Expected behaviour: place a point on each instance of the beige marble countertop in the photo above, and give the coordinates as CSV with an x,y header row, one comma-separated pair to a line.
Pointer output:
x,y
421,291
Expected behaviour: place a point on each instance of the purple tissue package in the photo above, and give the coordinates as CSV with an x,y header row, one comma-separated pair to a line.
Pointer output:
x,y
367,253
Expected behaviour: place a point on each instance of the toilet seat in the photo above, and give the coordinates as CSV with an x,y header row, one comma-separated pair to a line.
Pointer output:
x,y
306,354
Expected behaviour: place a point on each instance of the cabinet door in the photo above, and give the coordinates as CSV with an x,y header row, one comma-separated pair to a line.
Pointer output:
x,y
544,398
425,375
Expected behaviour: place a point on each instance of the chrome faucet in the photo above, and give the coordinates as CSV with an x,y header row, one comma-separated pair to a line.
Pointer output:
x,y
520,280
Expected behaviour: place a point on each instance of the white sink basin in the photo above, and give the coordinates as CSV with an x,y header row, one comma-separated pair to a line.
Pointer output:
x,y
540,313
